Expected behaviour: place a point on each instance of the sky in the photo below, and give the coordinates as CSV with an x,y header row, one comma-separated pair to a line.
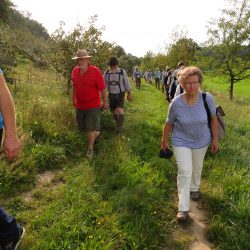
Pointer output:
x,y
137,26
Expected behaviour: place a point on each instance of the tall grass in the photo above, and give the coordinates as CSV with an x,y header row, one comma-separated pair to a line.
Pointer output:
x,y
124,198
220,85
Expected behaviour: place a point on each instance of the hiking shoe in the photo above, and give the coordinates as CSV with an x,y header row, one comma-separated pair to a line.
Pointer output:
x,y
182,216
90,153
14,242
118,131
195,195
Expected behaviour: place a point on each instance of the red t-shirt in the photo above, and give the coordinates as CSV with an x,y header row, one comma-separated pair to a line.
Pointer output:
x,y
87,87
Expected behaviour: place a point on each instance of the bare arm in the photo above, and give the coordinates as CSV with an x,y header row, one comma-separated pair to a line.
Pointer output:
x,y
129,95
74,95
214,128
11,142
166,132
104,98
127,86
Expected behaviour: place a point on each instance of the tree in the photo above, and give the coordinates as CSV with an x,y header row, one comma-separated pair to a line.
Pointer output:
x,y
148,61
128,62
229,41
8,49
20,37
119,51
63,47
23,21
183,49
5,6
160,61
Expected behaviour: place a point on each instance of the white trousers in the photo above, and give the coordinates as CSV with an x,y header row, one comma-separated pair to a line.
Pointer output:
x,y
189,162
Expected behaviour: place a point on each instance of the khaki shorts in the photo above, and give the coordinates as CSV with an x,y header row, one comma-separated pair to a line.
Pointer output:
x,y
88,120
116,101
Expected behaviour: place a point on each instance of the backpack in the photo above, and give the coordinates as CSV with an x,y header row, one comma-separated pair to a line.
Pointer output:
x,y
115,83
219,114
165,80
173,86
181,90
137,74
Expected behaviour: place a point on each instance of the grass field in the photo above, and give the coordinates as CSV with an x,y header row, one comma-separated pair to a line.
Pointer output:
x,y
219,85
126,197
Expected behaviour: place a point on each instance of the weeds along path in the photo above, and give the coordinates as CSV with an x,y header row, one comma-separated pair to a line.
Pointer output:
x,y
124,199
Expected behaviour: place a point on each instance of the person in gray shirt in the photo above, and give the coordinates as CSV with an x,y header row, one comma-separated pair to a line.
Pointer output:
x,y
191,135
117,85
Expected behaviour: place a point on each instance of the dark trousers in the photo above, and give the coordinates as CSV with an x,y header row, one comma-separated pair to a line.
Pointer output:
x,y
138,82
1,136
157,83
8,226
167,93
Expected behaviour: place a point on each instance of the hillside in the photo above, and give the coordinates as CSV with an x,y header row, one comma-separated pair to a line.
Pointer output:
x,y
20,37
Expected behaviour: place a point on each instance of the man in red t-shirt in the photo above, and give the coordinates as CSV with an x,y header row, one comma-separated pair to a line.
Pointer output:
x,y
88,82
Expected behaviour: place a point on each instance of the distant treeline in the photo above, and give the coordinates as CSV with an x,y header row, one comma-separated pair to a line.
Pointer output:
x,y
226,51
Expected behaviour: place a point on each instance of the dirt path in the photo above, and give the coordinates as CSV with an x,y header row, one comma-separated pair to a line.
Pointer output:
x,y
192,234
198,227
44,181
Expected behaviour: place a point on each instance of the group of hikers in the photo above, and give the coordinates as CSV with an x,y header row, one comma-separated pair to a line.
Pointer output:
x,y
148,76
192,128
187,122
165,80
88,82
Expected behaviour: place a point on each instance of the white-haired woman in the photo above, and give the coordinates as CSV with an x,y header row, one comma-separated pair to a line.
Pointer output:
x,y
191,136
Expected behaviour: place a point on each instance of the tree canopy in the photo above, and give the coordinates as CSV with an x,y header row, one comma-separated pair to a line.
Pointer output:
x,y
229,39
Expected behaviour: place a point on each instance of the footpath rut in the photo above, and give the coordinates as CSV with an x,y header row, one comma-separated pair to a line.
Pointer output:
x,y
198,227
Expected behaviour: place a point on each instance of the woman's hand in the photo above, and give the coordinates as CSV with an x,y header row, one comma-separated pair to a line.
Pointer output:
x,y
164,140
214,127
164,145
214,145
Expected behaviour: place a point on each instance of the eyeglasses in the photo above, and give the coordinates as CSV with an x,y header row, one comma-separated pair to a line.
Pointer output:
x,y
191,83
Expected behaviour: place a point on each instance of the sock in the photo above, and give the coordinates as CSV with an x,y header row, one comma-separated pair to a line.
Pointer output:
x,y
120,122
116,117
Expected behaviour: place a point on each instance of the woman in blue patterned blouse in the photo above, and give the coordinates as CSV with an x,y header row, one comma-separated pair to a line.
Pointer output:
x,y
191,136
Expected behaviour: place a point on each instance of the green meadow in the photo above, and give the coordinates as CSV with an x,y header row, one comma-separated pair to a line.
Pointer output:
x,y
126,198
219,85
